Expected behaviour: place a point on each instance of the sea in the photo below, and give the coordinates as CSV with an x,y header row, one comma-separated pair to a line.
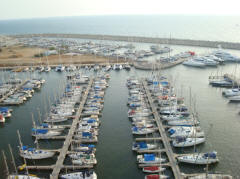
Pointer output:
x,y
198,27
218,118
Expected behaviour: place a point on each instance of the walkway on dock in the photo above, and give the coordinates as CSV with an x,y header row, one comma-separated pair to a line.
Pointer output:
x,y
171,156
63,152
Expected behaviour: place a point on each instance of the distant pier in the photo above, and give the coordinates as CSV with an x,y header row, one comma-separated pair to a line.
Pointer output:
x,y
140,39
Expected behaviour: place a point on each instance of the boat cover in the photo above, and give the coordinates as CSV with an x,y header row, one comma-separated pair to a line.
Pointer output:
x,y
149,157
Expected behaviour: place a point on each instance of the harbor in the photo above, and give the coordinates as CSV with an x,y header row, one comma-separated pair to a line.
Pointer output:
x,y
115,105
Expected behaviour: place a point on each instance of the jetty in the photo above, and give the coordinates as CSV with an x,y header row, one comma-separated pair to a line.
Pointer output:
x,y
139,39
63,152
168,149
146,65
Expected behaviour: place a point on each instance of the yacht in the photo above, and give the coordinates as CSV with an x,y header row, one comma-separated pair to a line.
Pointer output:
x,y
194,63
32,153
187,142
231,92
199,158
60,68
149,159
80,175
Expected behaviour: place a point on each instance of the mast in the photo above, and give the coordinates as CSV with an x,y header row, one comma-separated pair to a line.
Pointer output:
x,y
5,162
13,161
20,142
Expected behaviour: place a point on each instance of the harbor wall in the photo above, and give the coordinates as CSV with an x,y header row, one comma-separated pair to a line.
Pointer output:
x,y
170,41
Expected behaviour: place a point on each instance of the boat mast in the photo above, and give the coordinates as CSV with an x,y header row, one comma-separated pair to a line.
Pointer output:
x,y
5,162
20,142
13,161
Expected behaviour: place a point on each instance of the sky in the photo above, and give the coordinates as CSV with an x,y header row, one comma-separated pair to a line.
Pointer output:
x,y
18,9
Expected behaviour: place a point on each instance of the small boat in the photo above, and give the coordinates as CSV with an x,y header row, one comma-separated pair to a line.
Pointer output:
x,y
142,131
194,63
231,92
2,118
187,142
199,158
22,177
183,122
234,99
80,175
44,133
186,132
60,68
32,153
211,176
155,176
153,169
149,159
143,146
84,159
117,67
47,68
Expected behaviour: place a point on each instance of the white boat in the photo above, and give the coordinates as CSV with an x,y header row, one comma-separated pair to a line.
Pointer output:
x,y
231,92
186,132
44,133
60,68
149,159
47,68
234,99
80,175
22,177
142,131
206,61
183,122
187,142
194,63
211,176
32,153
117,67
85,160
143,146
199,158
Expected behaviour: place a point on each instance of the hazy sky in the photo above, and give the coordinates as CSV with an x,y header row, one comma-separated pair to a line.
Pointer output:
x,y
17,9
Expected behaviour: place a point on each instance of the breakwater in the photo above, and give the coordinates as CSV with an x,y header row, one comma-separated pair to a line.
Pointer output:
x,y
140,39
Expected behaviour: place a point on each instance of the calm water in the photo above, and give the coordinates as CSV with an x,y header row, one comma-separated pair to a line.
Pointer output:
x,y
114,155
204,27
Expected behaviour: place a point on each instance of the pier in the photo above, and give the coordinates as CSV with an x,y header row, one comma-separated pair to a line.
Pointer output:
x,y
63,152
139,39
10,93
171,156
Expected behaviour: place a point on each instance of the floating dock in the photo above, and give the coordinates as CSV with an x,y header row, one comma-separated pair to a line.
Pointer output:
x,y
171,156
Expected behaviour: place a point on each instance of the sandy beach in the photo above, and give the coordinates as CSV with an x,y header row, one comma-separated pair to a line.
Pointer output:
x,y
24,56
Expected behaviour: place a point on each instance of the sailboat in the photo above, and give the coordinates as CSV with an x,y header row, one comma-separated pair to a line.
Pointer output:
x,y
15,175
199,158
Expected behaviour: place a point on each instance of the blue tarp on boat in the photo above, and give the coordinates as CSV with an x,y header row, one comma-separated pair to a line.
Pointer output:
x,y
91,121
86,134
149,157
142,145
3,109
40,131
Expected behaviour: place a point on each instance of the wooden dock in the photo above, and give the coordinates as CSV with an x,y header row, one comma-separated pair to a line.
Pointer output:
x,y
171,156
63,152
